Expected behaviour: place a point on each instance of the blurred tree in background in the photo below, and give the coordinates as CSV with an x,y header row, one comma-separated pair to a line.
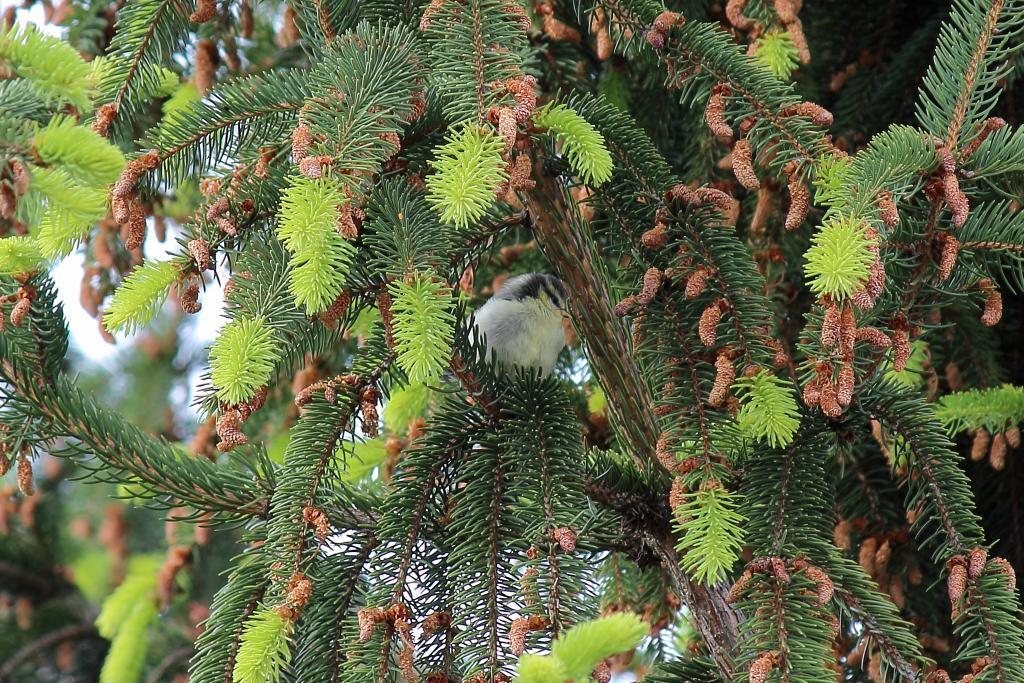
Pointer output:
x,y
782,443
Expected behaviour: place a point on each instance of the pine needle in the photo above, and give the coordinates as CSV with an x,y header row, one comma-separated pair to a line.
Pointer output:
x,y
580,142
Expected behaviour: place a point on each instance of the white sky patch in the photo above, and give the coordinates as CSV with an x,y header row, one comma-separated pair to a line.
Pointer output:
x,y
34,15
85,337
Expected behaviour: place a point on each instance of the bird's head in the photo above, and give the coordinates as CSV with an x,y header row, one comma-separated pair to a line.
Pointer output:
x,y
545,290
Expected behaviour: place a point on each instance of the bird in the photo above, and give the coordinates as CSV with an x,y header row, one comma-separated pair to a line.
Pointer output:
x,y
522,323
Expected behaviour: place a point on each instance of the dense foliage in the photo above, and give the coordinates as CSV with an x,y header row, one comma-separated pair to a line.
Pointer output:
x,y
782,444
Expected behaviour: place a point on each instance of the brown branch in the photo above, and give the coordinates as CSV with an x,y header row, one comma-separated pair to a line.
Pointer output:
x,y
562,237
565,240
44,643
977,596
493,607
995,246
549,526
956,121
781,632
323,17
714,618
877,633
964,246
173,659
698,399
412,537
344,415
779,527
475,388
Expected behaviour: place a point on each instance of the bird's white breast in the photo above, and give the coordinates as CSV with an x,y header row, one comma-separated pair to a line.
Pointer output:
x,y
527,333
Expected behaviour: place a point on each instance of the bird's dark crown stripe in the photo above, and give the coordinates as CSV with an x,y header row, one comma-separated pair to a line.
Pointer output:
x,y
555,299
563,293
531,285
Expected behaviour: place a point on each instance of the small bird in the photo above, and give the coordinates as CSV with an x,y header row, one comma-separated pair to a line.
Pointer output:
x,y
522,322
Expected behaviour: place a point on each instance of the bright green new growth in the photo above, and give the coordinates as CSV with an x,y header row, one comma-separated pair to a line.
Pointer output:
x,y
59,233
52,65
86,155
65,201
580,142
575,653
264,649
242,359
839,258
711,533
55,189
768,409
468,168
406,404
20,255
308,228
137,588
830,175
180,101
423,326
540,669
585,645
140,296
776,51
996,409
127,653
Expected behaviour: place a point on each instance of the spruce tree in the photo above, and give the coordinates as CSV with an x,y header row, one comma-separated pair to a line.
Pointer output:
x,y
782,444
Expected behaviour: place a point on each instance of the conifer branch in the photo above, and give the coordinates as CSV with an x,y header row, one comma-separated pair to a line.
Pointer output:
x,y
944,493
882,623
718,622
561,233
239,631
878,634
701,47
155,464
147,33
956,121
335,644
307,462
231,607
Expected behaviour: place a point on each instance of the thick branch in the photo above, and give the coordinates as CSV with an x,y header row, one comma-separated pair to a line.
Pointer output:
x,y
564,238
716,620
